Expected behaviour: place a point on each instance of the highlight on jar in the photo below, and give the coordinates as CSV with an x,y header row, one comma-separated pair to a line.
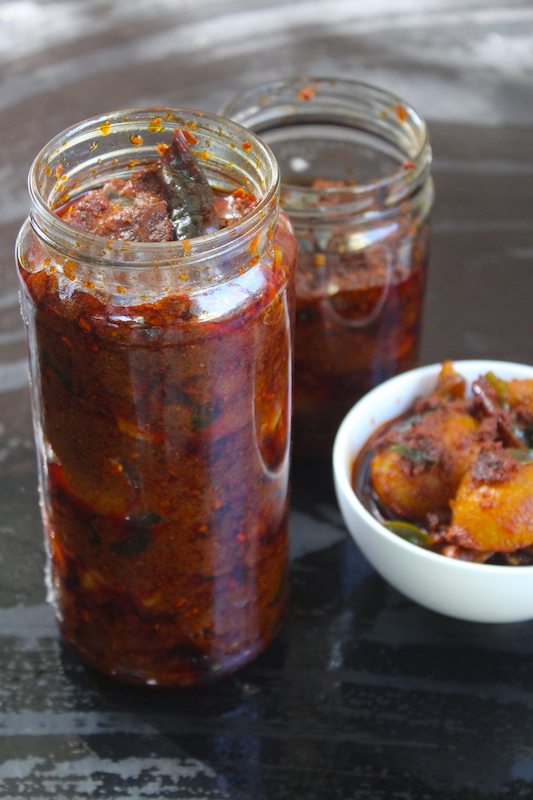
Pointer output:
x,y
355,165
157,286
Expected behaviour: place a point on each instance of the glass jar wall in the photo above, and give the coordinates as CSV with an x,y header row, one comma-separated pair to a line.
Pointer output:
x,y
161,380
355,165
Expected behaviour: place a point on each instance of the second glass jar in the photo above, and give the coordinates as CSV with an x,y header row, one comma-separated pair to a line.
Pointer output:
x,y
355,165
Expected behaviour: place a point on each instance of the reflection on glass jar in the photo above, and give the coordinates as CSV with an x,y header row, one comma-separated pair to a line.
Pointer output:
x,y
161,391
355,163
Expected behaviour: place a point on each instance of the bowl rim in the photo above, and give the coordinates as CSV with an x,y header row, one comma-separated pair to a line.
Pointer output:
x,y
344,456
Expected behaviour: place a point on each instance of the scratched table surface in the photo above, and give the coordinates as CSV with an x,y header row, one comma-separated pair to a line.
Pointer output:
x,y
364,695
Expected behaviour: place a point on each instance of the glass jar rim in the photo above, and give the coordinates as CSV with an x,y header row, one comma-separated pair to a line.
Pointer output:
x,y
272,106
48,178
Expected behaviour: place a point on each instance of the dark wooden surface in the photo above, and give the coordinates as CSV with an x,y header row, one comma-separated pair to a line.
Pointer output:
x,y
364,696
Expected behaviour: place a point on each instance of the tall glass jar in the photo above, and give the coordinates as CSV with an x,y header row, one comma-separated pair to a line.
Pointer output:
x,y
355,164
161,383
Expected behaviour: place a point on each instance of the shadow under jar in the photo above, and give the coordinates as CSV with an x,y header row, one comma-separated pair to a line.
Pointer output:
x,y
162,403
355,164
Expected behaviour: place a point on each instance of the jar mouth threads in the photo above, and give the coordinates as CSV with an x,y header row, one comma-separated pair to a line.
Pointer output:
x,y
114,145
372,140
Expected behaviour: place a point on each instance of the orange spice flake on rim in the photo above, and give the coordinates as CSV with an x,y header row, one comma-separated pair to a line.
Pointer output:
x,y
156,125
401,112
307,93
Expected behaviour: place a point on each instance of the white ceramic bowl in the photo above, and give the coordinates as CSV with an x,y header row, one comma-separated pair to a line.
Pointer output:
x,y
475,592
